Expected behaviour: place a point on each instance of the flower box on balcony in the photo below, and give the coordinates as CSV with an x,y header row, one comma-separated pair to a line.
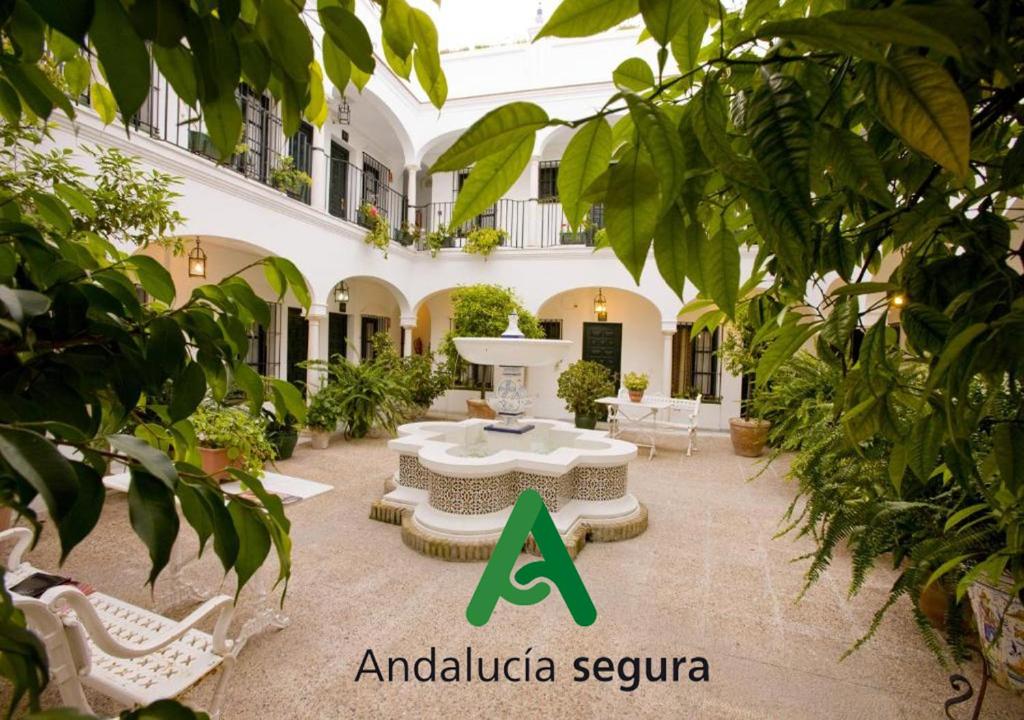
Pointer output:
x,y
201,143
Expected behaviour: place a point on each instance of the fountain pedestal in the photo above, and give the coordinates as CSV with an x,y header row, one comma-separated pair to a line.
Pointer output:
x,y
510,400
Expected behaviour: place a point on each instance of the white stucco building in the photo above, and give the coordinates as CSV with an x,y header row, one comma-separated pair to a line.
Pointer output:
x,y
377,147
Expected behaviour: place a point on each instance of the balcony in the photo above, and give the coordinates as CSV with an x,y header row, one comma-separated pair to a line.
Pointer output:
x,y
528,223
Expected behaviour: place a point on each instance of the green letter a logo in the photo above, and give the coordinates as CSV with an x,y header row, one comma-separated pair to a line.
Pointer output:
x,y
530,515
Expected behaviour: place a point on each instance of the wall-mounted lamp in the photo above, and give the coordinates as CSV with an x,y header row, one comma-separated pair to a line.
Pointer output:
x,y
600,306
341,293
898,300
197,261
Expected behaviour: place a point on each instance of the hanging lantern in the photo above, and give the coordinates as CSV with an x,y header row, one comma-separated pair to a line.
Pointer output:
x,y
600,306
898,300
341,293
197,261
344,111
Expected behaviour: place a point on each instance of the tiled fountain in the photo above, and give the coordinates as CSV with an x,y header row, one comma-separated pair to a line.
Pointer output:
x,y
457,481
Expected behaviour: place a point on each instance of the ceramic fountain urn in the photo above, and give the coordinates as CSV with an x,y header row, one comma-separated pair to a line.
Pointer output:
x,y
511,354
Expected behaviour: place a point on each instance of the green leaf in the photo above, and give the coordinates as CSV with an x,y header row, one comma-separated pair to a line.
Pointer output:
x,y
819,32
954,346
337,65
1008,448
76,74
153,516
162,21
660,138
288,39
855,165
123,54
586,156
427,59
960,515
253,542
102,101
187,392
178,67
926,327
195,511
865,288
709,124
349,34
296,281
580,18
10,103
396,26
891,26
670,249
491,178
166,347
153,276
786,341
402,67
156,462
923,445
921,102
688,39
288,400
501,127
75,198
223,119
83,515
719,259
633,74
664,18
632,207
38,462
779,126
249,382
53,211
945,568
70,17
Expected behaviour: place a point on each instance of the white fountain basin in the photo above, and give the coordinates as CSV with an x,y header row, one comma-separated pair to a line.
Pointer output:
x,y
514,352
461,481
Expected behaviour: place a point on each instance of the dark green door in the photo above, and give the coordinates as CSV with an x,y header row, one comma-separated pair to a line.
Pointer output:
x,y
337,189
298,346
602,342
337,334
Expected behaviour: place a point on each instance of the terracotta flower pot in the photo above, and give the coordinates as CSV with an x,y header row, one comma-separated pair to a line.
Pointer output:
x,y
215,463
320,439
478,408
636,395
749,436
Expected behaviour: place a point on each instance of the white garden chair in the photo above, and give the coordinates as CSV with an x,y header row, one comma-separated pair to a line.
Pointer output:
x,y
117,649
682,419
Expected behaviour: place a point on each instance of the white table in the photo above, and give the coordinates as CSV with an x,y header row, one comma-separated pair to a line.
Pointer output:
x,y
639,415
268,615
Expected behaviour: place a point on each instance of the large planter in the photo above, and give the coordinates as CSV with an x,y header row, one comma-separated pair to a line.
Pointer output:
x,y
6,516
1003,650
636,395
320,439
215,463
935,603
749,436
478,408
284,442
586,422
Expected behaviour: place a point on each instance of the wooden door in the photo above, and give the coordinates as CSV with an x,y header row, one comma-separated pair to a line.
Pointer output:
x,y
602,342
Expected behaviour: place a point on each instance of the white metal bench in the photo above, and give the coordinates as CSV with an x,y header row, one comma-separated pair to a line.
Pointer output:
x,y
680,418
118,649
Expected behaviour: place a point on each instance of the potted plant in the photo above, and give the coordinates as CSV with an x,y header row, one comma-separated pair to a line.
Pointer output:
x,y
282,434
580,385
322,417
379,235
366,396
482,241
435,240
748,433
636,383
229,437
482,311
424,379
289,179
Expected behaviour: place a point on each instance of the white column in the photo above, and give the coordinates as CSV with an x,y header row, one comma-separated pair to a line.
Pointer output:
x,y
408,325
315,316
411,171
531,236
319,171
355,349
668,331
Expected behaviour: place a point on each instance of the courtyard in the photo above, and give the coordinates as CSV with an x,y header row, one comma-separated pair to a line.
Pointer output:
x,y
706,579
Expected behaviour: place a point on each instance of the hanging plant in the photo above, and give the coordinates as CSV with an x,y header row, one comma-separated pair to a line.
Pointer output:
x,y
379,234
482,241
287,178
437,239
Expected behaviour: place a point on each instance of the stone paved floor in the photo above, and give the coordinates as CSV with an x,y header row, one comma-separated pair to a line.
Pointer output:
x,y
705,579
